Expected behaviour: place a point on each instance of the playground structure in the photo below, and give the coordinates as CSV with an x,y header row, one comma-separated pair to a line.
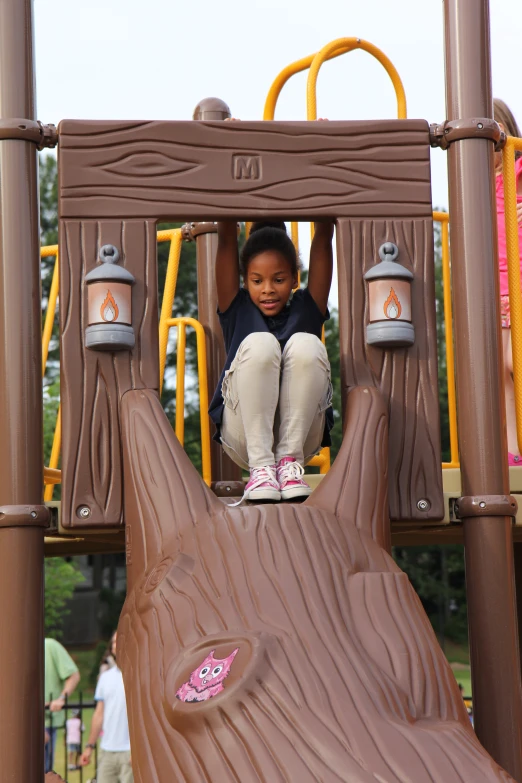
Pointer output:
x,y
334,672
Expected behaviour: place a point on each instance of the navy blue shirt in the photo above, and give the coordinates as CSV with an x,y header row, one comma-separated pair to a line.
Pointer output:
x,y
242,317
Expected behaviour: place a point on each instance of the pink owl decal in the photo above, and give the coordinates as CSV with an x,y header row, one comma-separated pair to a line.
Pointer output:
x,y
207,680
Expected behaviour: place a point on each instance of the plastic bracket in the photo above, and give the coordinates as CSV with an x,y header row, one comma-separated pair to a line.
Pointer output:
x,y
473,128
24,516
190,231
485,506
17,129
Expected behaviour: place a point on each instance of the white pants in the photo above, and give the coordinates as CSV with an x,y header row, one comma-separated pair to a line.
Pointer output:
x,y
114,767
275,402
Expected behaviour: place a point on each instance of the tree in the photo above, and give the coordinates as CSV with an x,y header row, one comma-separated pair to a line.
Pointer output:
x,y
441,346
437,574
61,578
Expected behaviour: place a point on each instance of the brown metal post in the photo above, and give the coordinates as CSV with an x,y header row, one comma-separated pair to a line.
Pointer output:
x,y
223,469
497,693
517,556
21,460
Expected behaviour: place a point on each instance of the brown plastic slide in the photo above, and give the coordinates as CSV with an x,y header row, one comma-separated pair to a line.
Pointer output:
x,y
279,642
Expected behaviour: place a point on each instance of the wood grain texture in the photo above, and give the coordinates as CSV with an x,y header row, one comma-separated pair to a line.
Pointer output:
x,y
92,382
354,171
407,378
338,677
248,170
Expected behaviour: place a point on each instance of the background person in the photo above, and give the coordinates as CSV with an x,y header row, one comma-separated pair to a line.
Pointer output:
x,y
73,738
61,679
110,716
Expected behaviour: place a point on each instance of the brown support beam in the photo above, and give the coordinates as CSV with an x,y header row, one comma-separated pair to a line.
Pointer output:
x,y
222,467
495,668
21,453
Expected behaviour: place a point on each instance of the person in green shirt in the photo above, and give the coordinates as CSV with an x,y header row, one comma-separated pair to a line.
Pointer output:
x,y
61,678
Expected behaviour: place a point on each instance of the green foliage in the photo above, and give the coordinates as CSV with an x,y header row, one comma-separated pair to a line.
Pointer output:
x,y
99,653
61,578
331,336
51,402
111,605
48,199
437,574
441,346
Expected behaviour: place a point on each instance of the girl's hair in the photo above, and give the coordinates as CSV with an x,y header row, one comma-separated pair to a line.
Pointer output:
x,y
269,235
502,113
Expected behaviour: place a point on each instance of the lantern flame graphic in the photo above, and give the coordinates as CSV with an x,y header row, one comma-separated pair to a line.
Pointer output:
x,y
392,307
109,310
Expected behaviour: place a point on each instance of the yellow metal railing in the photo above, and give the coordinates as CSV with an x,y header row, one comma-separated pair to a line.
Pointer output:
x,y
513,255
443,219
181,324
314,62
341,46
52,475
169,291
331,50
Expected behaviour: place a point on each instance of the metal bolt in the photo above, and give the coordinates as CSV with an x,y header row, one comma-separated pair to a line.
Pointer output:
x,y
480,125
423,504
34,514
482,504
84,512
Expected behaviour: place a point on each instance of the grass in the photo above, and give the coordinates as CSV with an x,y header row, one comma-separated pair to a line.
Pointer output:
x,y
456,653
458,657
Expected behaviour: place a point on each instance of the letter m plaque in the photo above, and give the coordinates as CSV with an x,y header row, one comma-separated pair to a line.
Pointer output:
x,y
246,167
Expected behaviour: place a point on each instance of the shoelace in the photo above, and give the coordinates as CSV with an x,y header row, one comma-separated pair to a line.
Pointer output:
x,y
291,471
259,476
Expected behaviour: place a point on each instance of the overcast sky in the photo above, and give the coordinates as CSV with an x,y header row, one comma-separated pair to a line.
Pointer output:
x,y
155,59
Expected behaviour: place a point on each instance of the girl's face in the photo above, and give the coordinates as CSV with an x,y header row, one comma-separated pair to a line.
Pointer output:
x,y
270,281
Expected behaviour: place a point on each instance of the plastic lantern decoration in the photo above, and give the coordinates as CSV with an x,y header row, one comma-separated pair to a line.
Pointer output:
x,y
109,296
389,292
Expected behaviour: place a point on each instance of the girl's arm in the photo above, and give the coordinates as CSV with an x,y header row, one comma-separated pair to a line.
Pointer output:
x,y
227,264
321,265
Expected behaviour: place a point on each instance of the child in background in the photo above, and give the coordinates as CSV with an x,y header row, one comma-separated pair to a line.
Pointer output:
x,y
507,122
73,729
272,406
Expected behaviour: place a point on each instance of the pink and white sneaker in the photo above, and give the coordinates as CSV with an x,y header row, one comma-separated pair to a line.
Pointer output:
x,y
262,484
289,476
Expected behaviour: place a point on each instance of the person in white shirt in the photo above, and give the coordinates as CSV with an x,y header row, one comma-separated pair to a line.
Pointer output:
x,y
110,716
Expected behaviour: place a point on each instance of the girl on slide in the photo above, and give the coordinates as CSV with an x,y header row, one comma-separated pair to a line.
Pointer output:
x,y
272,405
